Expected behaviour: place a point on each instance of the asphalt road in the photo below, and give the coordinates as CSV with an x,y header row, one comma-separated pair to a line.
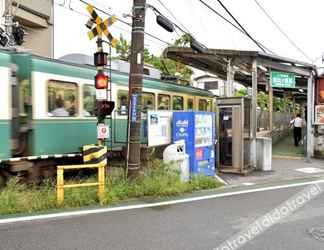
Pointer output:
x,y
194,225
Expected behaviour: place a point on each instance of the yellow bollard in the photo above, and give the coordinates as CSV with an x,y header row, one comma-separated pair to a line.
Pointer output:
x,y
101,180
60,185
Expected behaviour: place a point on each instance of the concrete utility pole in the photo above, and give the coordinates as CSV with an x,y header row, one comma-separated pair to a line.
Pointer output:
x,y
133,156
8,19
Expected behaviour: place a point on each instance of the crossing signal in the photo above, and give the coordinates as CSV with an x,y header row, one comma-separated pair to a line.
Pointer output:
x,y
104,108
101,26
101,80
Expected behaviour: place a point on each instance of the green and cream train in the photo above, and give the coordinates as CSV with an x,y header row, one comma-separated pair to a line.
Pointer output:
x,y
46,110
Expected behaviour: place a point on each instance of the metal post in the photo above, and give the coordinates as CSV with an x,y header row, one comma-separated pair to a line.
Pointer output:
x,y
101,183
101,142
230,75
270,105
310,104
254,112
60,185
135,88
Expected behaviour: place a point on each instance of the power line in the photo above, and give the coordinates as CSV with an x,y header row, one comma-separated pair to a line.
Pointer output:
x,y
124,22
174,17
238,23
116,26
232,24
282,31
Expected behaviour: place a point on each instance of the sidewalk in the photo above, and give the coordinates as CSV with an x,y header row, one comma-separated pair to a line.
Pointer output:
x,y
282,169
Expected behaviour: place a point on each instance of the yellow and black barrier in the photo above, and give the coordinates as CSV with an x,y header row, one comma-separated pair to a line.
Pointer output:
x,y
94,157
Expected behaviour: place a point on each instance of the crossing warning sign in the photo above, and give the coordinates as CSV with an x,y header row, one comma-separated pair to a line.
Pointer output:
x,y
101,26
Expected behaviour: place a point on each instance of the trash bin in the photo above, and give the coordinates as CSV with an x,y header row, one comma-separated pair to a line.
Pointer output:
x,y
176,154
264,153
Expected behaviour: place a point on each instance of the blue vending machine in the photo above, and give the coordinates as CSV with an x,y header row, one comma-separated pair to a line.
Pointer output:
x,y
198,131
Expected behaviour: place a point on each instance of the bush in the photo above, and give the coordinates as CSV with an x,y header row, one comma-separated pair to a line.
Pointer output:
x,y
157,180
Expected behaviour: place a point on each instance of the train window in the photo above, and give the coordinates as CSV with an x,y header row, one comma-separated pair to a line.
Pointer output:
x,y
209,106
177,102
202,105
190,104
89,100
163,102
62,99
148,102
122,102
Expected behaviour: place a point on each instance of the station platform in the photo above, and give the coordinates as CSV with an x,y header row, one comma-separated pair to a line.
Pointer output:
x,y
282,169
285,148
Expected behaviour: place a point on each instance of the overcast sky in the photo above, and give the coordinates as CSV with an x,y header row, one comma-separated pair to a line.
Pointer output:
x,y
302,20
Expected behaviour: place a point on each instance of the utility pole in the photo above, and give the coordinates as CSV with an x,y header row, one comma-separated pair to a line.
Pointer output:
x,y
9,20
133,156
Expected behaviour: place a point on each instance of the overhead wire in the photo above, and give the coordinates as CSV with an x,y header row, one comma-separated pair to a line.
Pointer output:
x,y
116,26
239,24
124,22
282,31
174,17
232,24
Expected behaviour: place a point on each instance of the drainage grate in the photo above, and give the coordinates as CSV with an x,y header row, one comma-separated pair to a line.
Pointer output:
x,y
317,233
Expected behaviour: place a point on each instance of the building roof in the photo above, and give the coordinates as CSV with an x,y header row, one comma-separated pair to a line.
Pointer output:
x,y
215,61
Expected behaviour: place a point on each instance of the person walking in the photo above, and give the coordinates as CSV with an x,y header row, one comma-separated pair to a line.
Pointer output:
x,y
297,125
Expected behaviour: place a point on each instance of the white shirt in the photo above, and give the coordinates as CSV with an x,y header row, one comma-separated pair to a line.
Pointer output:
x,y
297,122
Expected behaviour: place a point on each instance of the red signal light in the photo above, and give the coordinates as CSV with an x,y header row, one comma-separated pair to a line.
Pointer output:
x,y
101,81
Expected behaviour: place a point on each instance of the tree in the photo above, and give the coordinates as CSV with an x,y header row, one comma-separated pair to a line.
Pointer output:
x,y
123,49
165,65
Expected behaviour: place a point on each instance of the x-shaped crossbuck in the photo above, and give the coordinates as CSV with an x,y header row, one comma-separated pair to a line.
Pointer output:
x,y
101,26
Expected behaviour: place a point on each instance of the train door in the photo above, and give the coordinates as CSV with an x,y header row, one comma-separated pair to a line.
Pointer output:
x,y
21,108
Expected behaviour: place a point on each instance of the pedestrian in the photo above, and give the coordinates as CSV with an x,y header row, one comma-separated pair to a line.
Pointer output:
x,y
297,125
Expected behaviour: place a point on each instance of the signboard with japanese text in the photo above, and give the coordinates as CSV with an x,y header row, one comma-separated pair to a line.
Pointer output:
x,y
159,128
102,131
133,108
319,114
280,79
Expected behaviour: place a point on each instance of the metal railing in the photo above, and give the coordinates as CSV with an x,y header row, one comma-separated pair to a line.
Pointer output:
x,y
100,183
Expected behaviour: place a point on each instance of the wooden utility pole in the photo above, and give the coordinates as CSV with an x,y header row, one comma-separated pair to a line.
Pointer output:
x,y
135,89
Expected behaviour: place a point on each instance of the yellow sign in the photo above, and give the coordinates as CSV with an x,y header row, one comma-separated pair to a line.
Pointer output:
x,y
101,26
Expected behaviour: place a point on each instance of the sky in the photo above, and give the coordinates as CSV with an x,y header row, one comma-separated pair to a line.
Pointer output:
x,y
301,20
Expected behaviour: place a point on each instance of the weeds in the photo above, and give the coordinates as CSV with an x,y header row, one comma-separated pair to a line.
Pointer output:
x,y
156,180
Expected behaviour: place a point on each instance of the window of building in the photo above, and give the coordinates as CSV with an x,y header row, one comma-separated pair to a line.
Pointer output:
x,y
89,100
190,104
62,99
122,102
163,102
148,101
177,102
202,105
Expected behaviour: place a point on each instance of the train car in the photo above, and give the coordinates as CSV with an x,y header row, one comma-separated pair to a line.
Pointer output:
x,y
46,111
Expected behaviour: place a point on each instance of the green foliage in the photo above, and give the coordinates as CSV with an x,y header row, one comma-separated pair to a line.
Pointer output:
x,y
156,180
263,100
166,66
123,49
241,93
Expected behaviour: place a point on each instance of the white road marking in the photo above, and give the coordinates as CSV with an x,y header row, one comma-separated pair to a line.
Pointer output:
x,y
310,170
248,183
156,204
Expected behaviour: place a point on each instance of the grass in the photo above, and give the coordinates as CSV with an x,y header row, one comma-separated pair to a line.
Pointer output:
x,y
156,180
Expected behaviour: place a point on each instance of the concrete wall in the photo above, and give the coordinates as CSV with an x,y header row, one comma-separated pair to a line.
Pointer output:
x,y
36,16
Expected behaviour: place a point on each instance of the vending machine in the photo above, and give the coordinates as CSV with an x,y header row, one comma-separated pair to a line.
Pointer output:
x,y
198,131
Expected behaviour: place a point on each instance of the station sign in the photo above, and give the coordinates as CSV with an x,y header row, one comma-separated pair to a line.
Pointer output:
x,y
281,79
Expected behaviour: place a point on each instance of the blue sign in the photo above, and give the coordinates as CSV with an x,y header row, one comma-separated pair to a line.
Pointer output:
x,y
134,108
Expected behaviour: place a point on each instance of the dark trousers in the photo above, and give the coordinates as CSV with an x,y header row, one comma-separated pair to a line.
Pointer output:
x,y
297,135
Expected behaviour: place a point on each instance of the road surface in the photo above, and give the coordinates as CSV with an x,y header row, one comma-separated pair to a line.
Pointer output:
x,y
195,225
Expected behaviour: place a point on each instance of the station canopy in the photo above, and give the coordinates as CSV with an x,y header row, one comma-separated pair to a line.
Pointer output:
x,y
216,62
